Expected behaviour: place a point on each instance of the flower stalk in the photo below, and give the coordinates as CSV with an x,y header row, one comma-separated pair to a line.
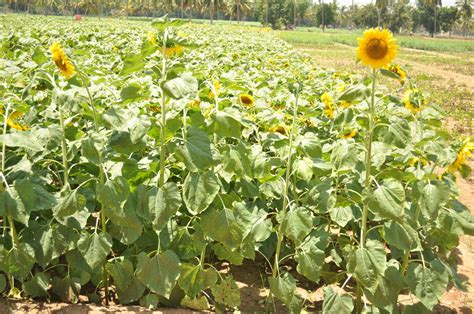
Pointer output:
x,y
161,181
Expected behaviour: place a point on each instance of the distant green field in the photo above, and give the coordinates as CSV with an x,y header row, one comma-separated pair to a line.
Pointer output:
x,y
350,38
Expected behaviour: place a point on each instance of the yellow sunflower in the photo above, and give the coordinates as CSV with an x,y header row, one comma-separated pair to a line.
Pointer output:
x,y
377,48
61,60
151,38
282,129
328,105
414,100
12,121
246,100
194,104
348,134
176,50
345,104
399,71
463,154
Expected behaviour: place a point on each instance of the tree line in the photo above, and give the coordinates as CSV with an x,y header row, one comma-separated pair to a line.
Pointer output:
x,y
397,15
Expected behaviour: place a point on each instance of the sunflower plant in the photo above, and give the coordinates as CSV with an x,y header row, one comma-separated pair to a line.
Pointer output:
x,y
144,177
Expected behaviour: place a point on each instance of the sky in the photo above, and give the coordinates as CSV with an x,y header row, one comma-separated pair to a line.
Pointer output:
x,y
446,3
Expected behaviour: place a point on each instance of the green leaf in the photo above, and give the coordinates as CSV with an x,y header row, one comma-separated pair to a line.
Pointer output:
x,y
197,304
131,91
20,261
159,273
388,199
199,191
427,284
223,226
337,302
194,279
310,262
38,286
341,215
196,152
367,264
95,248
355,93
11,206
181,87
310,144
129,288
70,202
284,288
3,283
38,56
132,63
25,139
297,224
91,148
434,196
149,301
388,288
68,289
227,125
226,292
165,203
397,235
390,74
398,133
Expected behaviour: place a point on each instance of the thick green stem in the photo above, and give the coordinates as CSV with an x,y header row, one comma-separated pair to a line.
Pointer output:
x,y
105,275
276,270
368,163
4,151
163,115
64,149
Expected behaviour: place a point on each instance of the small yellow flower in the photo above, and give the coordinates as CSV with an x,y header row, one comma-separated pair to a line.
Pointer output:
x,y
175,50
415,160
246,100
328,105
345,104
195,104
61,60
151,38
349,134
463,154
282,129
377,48
414,100
12,121
399,71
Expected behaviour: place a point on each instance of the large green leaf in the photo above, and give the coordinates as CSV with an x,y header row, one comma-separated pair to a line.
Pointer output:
x,y
181,87
132,63
284,288
94,248
223,226
227,125
199,191
336,302
427,284
226,292
194,279
388,199
159,273
165,202
25,139
196,152
367,264
70,202
297,224
310,262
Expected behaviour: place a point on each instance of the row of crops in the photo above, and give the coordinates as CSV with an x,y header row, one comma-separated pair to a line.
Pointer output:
x,y
131,170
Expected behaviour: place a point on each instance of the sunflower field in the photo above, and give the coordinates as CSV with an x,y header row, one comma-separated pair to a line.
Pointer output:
x,y
137,157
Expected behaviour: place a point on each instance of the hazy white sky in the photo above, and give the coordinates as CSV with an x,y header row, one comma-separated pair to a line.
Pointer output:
x,y
446,3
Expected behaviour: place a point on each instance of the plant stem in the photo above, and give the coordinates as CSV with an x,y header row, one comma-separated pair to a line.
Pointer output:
x,y
367,190
368,163
4,151
64,149
161,181
276,269
105,275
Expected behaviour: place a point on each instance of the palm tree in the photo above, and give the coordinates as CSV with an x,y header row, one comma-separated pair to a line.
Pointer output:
x,y
465,15
381,6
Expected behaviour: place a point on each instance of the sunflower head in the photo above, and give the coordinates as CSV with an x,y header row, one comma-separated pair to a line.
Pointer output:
x,y
12,121
399,72
326,99
151,38
61,60
246,100
345,104
414,100
347,134
377,48
194,104
464,152
175,50
282,129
